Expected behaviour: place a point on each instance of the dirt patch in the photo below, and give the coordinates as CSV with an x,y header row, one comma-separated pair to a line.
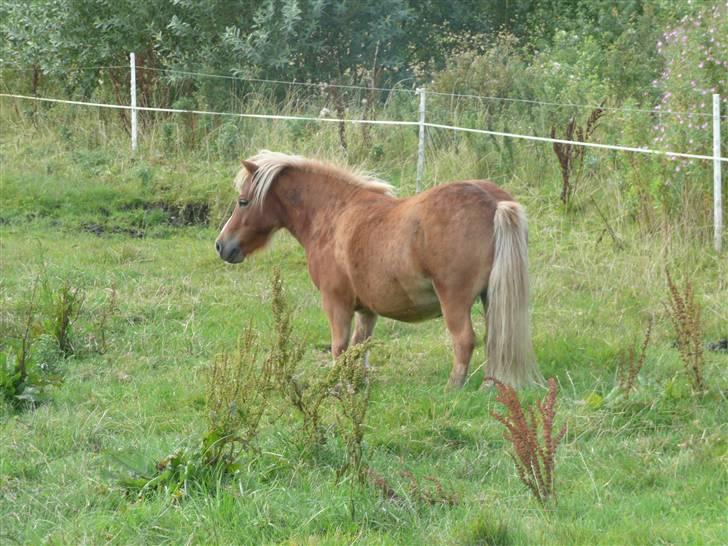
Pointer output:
x,y
188,214
99,230
720,346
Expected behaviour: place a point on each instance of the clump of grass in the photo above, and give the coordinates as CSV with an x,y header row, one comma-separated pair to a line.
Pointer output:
x,y
685,316
65,306
22,381
632,363
485,530
534,457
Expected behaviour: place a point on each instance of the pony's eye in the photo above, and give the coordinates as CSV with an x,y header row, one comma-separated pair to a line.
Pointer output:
x,y
243,202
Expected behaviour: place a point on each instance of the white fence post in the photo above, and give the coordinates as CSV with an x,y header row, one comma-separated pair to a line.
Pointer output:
x,y
421,145
717,197
132,66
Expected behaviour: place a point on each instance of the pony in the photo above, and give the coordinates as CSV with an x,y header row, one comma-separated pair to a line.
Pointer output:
x,y
370,253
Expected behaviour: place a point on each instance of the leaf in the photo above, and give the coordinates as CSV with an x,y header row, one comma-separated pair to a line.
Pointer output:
x,y
594,400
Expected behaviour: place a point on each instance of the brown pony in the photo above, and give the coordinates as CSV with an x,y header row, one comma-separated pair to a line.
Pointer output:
x,y
410,259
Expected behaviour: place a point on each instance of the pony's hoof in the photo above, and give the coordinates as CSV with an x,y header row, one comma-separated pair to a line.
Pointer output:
x,y
455,383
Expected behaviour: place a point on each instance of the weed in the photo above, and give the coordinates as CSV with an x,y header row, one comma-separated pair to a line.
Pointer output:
x,y
632,363
352,388
685,315
238,393
65,305
434,494
571,158
105,312
22,382
534,458
286,356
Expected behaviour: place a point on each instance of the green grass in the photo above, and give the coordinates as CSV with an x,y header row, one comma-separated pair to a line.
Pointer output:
x,y
646,471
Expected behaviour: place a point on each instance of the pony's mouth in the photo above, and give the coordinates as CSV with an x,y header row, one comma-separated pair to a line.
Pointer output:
x,y
230,252
235,257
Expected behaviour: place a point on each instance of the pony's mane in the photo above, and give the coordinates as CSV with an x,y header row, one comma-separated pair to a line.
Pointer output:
x,y
271,164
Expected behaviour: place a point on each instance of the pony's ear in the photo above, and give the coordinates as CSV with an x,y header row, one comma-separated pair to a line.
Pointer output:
x,y
250,166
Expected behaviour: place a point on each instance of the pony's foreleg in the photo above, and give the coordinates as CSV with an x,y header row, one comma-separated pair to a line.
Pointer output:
x,y
339,316
365,322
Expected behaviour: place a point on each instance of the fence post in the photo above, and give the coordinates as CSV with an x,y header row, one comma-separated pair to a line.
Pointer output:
x,y
132,66
421,145
717,197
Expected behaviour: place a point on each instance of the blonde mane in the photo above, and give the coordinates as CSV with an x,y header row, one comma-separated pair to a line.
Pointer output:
x,y
271,164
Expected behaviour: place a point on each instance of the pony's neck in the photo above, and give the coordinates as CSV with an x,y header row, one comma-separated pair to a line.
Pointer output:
x,y
310,204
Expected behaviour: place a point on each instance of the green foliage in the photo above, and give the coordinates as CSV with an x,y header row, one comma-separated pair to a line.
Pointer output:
x,y
694,53
238,394
485,530
352,390
64,304
27,364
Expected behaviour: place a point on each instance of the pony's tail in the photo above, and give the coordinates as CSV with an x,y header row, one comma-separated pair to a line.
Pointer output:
x,y
510,354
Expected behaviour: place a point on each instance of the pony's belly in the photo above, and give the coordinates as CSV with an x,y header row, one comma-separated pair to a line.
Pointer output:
x,y
415,313
413,305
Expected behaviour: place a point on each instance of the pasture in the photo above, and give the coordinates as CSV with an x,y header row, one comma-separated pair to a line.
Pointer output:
x,y
135,237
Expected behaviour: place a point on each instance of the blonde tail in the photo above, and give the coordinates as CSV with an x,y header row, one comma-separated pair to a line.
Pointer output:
x,y
510,354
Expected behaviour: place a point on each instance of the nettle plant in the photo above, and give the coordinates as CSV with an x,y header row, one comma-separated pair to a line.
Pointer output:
x,y
696,66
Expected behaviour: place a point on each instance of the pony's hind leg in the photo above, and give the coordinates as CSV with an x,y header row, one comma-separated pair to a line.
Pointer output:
x,y
365,322
456,311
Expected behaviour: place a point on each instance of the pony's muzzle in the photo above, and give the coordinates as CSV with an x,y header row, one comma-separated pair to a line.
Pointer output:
x,y
229,251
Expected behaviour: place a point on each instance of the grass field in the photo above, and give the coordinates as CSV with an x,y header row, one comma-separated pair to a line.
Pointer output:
x,y
647,470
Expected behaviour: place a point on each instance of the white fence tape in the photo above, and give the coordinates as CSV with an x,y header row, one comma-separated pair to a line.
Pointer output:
x,y
373,122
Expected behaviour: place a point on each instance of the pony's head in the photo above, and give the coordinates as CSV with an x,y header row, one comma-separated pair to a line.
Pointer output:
x,y
251,224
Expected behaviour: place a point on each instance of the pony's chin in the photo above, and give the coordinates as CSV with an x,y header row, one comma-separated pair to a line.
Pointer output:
x,y
236,257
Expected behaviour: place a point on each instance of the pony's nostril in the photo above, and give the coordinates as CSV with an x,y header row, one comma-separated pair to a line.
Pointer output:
x,y
218,247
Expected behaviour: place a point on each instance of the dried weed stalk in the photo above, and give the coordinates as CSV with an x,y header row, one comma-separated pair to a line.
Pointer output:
x,y
685,315
533,457
435,494
571,157
632,363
